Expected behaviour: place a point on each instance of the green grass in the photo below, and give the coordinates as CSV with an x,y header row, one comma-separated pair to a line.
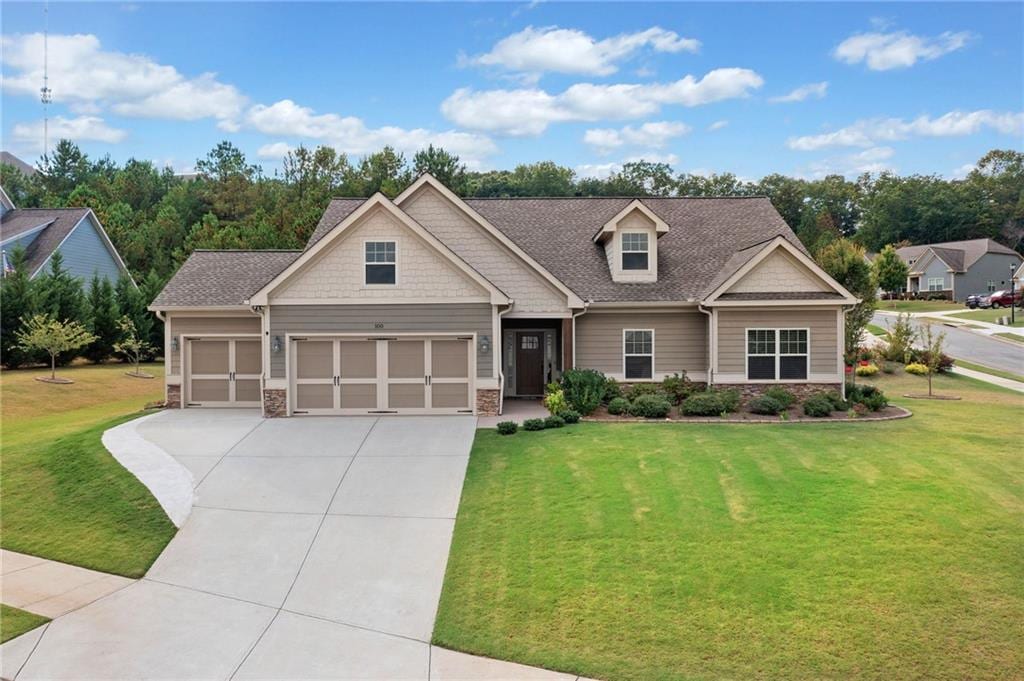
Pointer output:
x,y
991,316
873,550
990,371
15,622
64,496
917,306
1015,337
878,331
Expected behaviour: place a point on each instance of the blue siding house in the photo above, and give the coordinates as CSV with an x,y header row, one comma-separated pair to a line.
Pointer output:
x,y
75,232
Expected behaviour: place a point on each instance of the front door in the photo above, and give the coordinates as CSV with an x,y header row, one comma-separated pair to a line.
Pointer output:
x,y
530,363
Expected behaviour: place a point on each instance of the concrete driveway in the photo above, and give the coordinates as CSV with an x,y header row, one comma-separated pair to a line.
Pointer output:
x,y
316,549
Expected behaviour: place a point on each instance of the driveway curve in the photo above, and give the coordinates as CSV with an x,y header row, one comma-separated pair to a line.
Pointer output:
x,y
315,549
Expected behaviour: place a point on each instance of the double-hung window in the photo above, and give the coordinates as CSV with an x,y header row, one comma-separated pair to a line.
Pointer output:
x,y
990,286
936,283
635,251
380,263
777,354
638,353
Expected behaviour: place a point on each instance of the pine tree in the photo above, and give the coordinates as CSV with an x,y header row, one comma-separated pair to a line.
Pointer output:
x,y
18,301
61,297
103,320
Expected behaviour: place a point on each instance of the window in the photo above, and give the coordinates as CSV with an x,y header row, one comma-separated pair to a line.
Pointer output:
x,y
634,251
777,354
529,342
380,263
990,286
638,353
936,283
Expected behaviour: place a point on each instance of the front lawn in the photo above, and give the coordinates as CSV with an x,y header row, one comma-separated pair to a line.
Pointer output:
x,y
918,306
64,496
1015,337
991,316
875,550
15,622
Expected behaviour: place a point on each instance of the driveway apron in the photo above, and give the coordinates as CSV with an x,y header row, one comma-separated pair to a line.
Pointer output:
x,y
316,549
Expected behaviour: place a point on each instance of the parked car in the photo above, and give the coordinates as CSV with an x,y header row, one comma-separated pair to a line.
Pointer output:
x,y
974,300
1005,299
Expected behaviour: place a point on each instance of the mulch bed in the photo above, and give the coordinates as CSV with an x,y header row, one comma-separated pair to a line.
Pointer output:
x,y
919,396
132,374
55,381
793,415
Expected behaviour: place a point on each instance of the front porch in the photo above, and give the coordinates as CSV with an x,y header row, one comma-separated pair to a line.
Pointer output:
x,y
534,353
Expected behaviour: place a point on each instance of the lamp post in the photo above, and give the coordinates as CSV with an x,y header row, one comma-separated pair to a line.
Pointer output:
x,y
1013,303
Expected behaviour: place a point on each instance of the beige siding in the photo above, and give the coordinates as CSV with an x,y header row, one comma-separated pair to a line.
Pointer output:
x,y
484,253
732,326
680,340
191,326
337,273
634,221
779,272
395,318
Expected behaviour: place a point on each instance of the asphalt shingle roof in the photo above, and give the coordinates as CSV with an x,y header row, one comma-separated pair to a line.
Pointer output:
x,y
22,220
337,210
222,277
972,249
782,295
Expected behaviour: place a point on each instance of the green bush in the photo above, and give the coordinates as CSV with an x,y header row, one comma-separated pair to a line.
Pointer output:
x,y
781,395
554,422
678,387
584,389
555,400
650,407
508,427
618,405
866,370
612,389
533,424
730,399
703,404
763,404
570,416
837,401
875,401
638,389
819,406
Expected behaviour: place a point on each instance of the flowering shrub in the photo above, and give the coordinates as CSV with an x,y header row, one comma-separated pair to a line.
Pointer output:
x,y
917,369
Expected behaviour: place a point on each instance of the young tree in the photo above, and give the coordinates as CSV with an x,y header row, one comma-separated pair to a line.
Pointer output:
x,y
103,316
60,295
132,345
17,302
444,166
44,333
934,345
845,262
890,271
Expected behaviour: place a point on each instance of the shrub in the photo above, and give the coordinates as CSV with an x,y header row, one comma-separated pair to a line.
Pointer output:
x,y
730,399
612,389
508,427
867,370
555,401
641,389
650,407
678,387
554,422
875,401
888,368
837,401
584,389
917,369
945,361
781,395
901,339
703,404
819,406
533,424
570,416
763,404
618,405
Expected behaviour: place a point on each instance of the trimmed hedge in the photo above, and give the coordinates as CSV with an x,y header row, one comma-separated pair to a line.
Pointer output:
x,y
618,405
554,422
703,404
818,406
533,424
650,407
766,405
508,427
570,416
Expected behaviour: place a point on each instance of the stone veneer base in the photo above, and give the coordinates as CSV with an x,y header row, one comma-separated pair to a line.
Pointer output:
x,y
487,402
173,397
275,403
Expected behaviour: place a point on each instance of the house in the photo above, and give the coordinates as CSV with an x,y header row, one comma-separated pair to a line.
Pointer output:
x,y
75,232
430,303
957,269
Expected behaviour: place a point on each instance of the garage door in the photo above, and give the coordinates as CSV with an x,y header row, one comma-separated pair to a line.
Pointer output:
x,y
223,372
375,375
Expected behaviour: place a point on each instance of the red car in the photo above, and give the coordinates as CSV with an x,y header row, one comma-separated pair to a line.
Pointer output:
x,y
1005,299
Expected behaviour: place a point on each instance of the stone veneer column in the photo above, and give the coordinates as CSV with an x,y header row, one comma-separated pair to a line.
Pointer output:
x,y
487,402
173,397
275,403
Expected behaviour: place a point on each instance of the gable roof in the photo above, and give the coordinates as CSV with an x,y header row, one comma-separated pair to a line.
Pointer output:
x,y
337,210
953,258
58,223
221,278
972,250
635,205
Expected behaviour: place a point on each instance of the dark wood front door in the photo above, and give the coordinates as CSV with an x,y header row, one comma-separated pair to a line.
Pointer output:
x,y
529,363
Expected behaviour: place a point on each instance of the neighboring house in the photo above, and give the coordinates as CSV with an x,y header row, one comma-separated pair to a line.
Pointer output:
x,y
75,232
10,159
1018,276
435,304
957,269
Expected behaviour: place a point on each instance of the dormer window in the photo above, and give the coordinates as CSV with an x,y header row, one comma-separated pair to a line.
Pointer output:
x,y
635,251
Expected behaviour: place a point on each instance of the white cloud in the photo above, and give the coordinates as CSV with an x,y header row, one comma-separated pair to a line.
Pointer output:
x,y
816,90
873,160
530,111
866,133
670,159
655,134
351,135
566,50
896,50
274,150
88,79
717,125
599,171
82,128
963,171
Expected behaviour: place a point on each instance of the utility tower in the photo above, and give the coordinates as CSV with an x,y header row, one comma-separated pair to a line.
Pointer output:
x,y
45,94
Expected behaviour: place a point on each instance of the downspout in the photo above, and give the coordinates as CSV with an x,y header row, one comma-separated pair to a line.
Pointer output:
x,y
586,306
842,356
499,342
711,366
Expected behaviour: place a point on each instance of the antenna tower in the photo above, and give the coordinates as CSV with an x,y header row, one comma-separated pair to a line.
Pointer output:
x,y
45,94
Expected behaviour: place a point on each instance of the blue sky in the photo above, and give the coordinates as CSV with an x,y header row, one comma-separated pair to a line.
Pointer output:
x,y
802,89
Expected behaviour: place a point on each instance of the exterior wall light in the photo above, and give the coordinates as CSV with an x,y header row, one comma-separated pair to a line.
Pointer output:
x,y
275,344
174,343
485,344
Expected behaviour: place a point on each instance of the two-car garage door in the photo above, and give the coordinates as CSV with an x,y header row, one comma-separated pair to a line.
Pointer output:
x,y
351,375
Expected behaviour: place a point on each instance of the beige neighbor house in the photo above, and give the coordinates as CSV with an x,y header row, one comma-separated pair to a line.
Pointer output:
x,y
433,304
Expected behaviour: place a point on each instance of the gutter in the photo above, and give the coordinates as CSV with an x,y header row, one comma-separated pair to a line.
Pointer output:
x,y
711,325
500,342
586,306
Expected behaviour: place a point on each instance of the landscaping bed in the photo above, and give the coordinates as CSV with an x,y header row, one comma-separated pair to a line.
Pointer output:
x,y
791,415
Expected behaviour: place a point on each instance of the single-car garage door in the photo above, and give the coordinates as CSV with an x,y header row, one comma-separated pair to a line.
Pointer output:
x,y
408,375
223,372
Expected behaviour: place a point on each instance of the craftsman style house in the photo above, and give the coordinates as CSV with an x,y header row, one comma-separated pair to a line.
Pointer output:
x,y
957,269
430,304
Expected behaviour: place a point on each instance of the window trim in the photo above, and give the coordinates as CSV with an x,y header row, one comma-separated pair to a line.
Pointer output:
x,y
990,286
651,355
623,252
778,354
394,241
942,283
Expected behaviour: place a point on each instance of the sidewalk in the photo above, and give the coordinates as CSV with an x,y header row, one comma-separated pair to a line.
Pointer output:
x,y
989,378
48,588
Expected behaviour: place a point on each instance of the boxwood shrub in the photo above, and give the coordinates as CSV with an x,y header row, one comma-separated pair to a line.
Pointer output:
x,y
618,405
508,427
533,424
765,404
818,406
570,416
554,422
781,395
703,404
650,407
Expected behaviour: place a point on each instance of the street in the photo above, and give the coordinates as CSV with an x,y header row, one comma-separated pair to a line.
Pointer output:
x,y
971,346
